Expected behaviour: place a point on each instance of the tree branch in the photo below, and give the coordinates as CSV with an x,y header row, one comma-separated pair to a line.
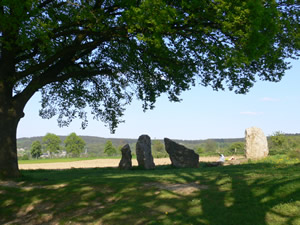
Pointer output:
x,y
65,53
45,3
54,74
98,4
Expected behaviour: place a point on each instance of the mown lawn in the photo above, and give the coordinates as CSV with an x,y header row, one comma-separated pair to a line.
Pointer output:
x,y
257,193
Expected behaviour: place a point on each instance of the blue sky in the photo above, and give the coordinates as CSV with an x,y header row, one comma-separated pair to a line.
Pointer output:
x,y
203,113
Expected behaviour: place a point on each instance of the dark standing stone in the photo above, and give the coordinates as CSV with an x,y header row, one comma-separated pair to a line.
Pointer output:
x,y
143,152
125,162
181,156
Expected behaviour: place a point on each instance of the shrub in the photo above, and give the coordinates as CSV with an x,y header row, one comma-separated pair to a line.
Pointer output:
x,y
294,154
236,148
24,157
160,154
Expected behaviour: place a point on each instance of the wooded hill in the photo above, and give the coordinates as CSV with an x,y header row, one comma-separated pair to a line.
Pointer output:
x,y
95,145
92,140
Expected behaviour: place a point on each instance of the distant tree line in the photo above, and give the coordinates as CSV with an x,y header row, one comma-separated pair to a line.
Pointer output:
x,y
52,146
84,146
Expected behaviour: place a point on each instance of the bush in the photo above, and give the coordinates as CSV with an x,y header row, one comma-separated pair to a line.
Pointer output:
x,y
160,154
24,157
294,154
275,151
199,150
236,148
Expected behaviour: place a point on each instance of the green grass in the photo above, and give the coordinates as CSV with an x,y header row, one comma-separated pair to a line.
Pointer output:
x,y
54,160
258,193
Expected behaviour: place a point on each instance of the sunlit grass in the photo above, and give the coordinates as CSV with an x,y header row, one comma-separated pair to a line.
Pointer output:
x,y
279,161
261,192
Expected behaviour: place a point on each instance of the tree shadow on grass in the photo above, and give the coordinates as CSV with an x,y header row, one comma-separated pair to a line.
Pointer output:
x,y
250,198
244,194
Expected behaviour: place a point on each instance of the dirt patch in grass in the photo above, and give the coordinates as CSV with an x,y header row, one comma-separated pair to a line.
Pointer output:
x,y
184,189
14,184
28,216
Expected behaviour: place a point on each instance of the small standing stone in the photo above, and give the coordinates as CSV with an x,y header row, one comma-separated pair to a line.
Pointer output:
x,y
143,152
125,162
181,156
256,143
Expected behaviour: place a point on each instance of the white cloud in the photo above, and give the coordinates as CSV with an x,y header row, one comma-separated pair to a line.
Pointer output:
x,y
268,99
248,113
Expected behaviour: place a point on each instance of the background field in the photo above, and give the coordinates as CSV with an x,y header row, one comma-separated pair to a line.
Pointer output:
x,y
66,163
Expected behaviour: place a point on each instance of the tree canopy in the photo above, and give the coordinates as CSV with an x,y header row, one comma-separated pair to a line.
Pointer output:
x,y
109,149
51,143
36,149
74,144
100,53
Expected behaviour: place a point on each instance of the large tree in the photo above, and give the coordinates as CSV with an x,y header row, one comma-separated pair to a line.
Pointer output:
x,y
74,145
109,149
36,149
99,53
51,143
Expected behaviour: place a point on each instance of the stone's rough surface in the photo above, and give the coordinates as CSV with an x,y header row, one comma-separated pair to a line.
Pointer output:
x,y
181,156
256,143
143,152
125,162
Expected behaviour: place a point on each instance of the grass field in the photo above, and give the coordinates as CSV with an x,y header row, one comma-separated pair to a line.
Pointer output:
x,y
257,193
55,160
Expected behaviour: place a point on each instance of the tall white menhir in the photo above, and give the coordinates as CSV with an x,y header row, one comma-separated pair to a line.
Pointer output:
x,y
256,143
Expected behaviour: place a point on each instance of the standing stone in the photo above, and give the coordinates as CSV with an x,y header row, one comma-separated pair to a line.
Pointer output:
x,y
125,162
181,156
256,143
143,152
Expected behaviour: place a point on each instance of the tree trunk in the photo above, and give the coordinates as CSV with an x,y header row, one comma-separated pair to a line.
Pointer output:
x,y
11,111
8,145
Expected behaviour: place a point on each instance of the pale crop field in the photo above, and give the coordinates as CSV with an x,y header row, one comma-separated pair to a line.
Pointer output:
x,y
95,163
